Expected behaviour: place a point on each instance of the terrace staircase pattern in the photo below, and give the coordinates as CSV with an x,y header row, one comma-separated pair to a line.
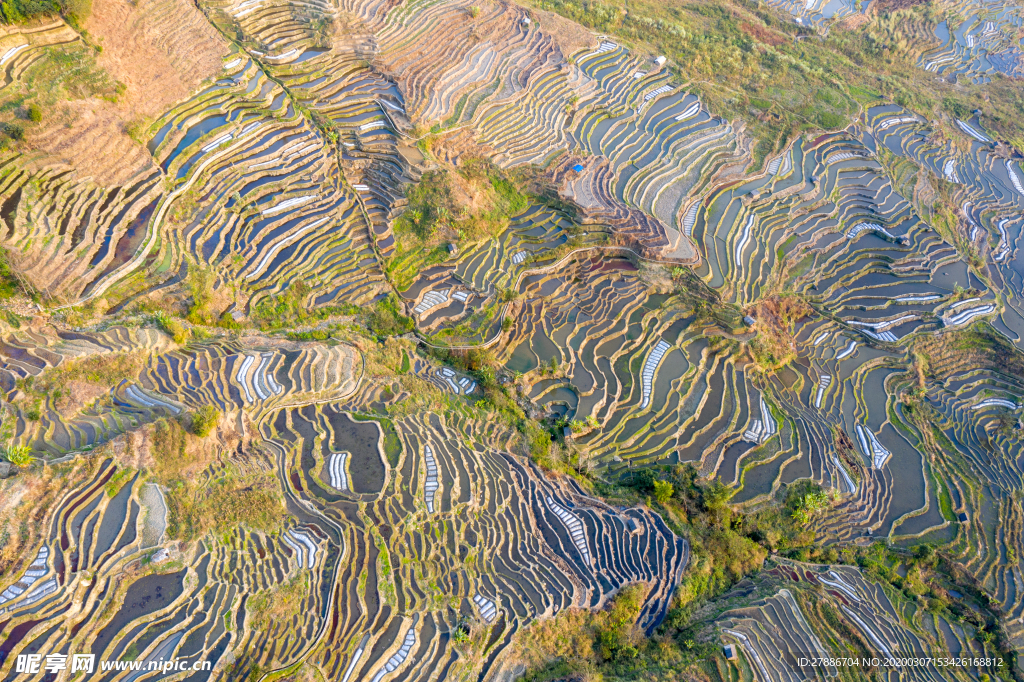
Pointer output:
x,y
779,631
284,175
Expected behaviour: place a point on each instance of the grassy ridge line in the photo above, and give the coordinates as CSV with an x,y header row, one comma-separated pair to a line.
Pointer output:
x,y
754,63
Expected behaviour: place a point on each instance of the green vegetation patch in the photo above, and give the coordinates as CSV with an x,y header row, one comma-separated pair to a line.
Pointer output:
x,y
67,72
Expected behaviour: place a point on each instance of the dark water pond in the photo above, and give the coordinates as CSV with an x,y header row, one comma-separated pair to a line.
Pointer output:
x,y
362,441
145,596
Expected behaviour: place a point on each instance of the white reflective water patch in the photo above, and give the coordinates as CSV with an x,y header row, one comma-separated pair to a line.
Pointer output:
x,y
689,112
691,218
575,526
761,429
432,299
863,227
647,375
995,402
289,203
968,315
431,485
823,383
311,548
11,52
486,606
269,256
970,130
890,122
399,657
872,448
336,469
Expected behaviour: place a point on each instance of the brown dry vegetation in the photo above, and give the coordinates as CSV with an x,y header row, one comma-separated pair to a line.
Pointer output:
x,y
89,136
464,204
577,641
160,49
781,89
74,384
774,344
139,59
887,6
279,604
214,483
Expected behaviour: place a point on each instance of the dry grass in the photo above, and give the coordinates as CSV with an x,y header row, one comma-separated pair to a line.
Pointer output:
x,y
75,384
210,490
580,642
979,347
106,369
774,346
279,604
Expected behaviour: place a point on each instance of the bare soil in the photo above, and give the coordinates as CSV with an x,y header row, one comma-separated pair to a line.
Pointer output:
x,y
89,135
160,49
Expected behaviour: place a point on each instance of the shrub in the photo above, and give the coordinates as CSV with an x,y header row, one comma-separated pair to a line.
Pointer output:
x,y
14,131
806,500
663,491
199,284
35,113
18,455
616,630
291,308
386,318
956,108
173,326
204,420
15,11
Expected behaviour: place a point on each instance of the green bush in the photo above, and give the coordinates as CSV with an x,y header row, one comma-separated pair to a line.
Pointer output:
x,y
386,318
829,120
204,420
956,108
34,113
806,500
18,455
173,327
16,11
291,308
14,131
663,491
199,283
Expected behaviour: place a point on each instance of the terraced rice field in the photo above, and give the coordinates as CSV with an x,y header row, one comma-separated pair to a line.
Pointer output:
x,y
808,322
393,549
799,612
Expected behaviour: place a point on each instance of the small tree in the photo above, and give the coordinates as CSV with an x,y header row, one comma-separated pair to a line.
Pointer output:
x,y
663,491
204,420
35,113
